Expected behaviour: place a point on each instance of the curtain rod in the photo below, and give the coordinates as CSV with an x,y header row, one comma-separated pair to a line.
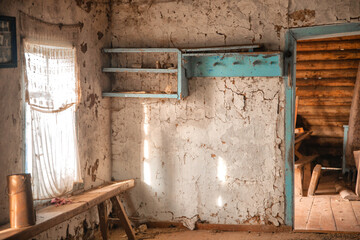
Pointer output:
x,y
60,25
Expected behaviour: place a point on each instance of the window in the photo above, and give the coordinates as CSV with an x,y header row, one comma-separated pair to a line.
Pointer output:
x,y
51,98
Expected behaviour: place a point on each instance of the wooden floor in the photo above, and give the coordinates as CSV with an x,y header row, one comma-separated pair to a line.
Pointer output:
x,y
327,212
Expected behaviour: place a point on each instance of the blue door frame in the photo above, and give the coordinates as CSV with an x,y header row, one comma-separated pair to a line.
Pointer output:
x,y
292,36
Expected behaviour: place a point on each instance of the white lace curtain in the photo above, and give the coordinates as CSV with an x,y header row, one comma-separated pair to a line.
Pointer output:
x,y
51,95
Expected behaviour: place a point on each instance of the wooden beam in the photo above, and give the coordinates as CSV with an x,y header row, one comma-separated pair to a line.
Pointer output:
x,y
331,122
121,214
351,37
296,109
328,45
338,73
357,165
327,55
324,92
326,141
328,82
53,215
103,220
305,160
327,64
314,180
306,175
327,131
325,101
324,110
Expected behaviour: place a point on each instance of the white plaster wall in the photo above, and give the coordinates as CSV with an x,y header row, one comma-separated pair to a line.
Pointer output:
x,y
217,154
239,120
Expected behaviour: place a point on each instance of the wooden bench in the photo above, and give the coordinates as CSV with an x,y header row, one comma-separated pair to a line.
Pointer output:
x,y
53,215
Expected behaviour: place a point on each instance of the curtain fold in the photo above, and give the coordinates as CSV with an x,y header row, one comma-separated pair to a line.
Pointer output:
x,y
52,95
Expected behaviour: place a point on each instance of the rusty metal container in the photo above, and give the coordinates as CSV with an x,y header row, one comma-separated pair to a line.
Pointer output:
x,y
21,205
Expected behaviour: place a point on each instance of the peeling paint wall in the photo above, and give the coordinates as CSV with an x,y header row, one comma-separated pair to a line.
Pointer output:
x,y
93,114
218,154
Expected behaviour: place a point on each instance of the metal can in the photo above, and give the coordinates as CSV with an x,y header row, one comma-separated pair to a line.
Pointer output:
x,y
21,206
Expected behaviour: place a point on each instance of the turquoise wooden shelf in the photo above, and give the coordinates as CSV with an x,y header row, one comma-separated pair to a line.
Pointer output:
x,y
182,82
229,61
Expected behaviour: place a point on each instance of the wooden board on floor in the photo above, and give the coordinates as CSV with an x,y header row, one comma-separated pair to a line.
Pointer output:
x,y
52,215
321,217
315,176
302,210
344,215
356,207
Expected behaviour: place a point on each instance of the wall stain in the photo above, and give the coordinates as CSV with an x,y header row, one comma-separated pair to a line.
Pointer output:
x,y
100,35
92,170
86,6
304,15
83,47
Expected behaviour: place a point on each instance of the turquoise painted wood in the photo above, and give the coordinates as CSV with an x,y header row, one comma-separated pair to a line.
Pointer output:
x,y
234,65
138,95
182,82
289,82
292,36
143,70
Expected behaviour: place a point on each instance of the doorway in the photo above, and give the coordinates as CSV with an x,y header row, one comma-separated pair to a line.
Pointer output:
x,y
311,87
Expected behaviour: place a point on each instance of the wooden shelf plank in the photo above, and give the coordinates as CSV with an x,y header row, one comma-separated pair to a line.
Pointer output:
x,y
214,49
138,95
140,50
140,70
52,215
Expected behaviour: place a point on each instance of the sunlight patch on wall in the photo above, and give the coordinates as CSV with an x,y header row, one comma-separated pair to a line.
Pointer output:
x,y
219,201
221,170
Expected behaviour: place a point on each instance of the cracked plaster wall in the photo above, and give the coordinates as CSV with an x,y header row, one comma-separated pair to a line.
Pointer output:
x,y
93,114
231,125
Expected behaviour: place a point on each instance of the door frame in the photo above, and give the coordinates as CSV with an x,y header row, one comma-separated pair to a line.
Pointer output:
x,y
292,35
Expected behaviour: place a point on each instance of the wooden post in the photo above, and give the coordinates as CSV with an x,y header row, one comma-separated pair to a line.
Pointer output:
x,y
298,181
121,214
307,176
103,219
314,180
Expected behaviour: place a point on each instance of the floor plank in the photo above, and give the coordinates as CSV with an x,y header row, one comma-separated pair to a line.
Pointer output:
x,y
302,211
321,217
356,207
345,218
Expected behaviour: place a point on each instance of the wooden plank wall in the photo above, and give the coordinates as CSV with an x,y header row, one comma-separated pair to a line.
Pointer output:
x,y
325,77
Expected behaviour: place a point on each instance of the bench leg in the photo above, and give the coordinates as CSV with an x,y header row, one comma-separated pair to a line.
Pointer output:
x,y
121,214
103,218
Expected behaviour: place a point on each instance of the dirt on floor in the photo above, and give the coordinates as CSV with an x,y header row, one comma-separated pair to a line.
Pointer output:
x,y
181,234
